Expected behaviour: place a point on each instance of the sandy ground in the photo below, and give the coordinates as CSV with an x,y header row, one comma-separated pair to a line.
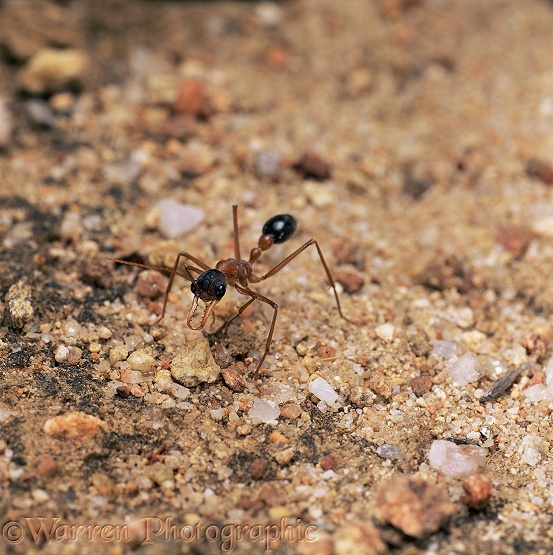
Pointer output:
x,y
412,139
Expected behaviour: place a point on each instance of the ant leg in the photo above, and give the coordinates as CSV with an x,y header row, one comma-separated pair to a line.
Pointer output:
x,y
262,298
236,236
175,272
288,259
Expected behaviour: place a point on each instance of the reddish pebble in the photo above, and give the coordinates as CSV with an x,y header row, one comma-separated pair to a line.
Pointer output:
x,y
414,506
421,385
326,351
258,468
540,169
74,356
123,391
478,489
191,98
151,284
313,166
349,281
329,462
290,411
514,238
46,466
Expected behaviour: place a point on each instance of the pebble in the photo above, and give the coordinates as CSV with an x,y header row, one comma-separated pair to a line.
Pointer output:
x,y
259,468
457,461
116,354
74,356
542,391
329,462
285,456
269,14
159,473
361,538
74,425
540,169
142,361
478,490
290,411
267,164
193,364
393,452
381,385
514,239
323,390
532,449
52,69
6,124
234,379
266,411
421,385
386,332
414,506
18,309
349,281
462,317
62,352
466,369
176,219
543,226
151,284
191,99
311,165
46,467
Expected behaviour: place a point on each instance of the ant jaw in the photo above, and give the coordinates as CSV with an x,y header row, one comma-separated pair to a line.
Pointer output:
x,y
209,307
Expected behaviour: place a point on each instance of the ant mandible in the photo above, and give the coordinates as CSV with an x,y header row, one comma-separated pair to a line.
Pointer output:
x,y
211,284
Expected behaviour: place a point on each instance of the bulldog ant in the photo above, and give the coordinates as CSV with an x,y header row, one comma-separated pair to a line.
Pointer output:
x,y
211,284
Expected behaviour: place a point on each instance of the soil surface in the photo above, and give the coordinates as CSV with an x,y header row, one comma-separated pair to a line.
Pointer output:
x,y
412,140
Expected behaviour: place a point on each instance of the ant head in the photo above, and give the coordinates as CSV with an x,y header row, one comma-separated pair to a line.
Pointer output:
x,y
280,227
210,286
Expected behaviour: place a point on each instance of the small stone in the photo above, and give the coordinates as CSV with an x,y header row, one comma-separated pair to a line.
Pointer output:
x,y
46,467
420,343
515,239
74,425
176,219
362,397
540,169
329,462
349,281
290,411
159,473
323,390
142,361
381,385
285,456
97,272
259,468
543,226
359,538
417,179
124,391
267,164
421,385
234,379
457,461
62,352
478,490
39,495
193,364
532,449
18,309
117,354
104,332
326,352
221,355
311,165
191,98
414,506
151,284
269,495
266,411
392,452
386,332
467,369
462,317
51,70
74,356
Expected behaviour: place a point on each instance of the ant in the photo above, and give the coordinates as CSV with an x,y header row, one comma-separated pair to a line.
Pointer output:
x,y
211,284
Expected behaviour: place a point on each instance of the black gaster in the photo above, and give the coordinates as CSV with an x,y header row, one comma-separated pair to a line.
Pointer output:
x,y
280,227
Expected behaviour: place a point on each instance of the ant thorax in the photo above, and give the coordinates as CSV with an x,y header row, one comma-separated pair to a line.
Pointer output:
x,y
235,270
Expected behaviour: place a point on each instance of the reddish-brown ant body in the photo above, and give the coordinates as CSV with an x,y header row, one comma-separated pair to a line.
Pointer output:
x,y
211,284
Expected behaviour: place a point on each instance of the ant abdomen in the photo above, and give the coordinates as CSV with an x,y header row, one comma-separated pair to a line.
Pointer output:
x,y
280,227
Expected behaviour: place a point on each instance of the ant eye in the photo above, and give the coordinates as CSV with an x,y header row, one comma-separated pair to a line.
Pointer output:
x,y
220,290
193,288
280,227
